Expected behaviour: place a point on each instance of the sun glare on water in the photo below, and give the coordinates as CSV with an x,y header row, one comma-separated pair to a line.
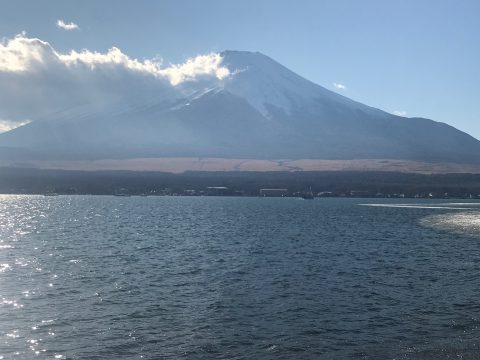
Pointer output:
x,y
463,222
466,221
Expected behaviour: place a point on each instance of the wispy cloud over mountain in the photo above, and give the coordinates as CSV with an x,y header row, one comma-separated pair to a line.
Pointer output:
x,y
339,86
400,113
36,80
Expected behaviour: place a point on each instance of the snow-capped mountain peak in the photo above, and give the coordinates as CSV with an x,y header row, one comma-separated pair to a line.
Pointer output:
x,y
260,110
264,83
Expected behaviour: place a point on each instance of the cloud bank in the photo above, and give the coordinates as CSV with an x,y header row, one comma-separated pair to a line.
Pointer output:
x,y
67,26
37,81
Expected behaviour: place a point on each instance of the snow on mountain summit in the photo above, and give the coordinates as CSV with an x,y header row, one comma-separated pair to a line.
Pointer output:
x,y
263,82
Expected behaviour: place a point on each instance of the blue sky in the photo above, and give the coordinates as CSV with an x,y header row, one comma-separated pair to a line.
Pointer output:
x,y
421,57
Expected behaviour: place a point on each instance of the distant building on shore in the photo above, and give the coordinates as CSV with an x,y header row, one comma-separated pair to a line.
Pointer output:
x,y
273,192
362,193
218,191
326,194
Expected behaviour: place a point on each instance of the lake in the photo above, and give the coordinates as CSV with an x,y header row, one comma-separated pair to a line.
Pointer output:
x,y
103,277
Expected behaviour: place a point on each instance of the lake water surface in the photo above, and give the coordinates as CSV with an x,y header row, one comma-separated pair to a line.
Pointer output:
x,y
99,277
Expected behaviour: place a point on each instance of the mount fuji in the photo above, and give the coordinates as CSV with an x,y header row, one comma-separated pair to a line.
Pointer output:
x,y
261,110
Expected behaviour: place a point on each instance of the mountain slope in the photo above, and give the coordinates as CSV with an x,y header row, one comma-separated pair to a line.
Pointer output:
x,y
261,111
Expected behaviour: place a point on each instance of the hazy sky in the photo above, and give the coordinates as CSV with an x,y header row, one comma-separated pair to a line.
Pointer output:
x,y
413,57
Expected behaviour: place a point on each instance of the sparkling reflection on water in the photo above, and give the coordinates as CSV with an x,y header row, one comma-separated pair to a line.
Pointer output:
x,y
215,278
461,223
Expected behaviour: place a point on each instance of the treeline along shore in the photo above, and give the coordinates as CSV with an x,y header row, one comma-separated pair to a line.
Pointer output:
x,y
328,183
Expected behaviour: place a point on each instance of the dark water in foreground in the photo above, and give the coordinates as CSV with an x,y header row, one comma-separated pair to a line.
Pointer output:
x,y
237,278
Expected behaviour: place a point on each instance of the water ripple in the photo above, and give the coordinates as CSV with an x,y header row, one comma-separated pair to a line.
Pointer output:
x,y
213,278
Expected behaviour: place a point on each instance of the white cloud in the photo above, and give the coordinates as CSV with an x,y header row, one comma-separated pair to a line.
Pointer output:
x,y
339,86
7,125
67,26
36,80
400,113
194,67
30,54
201,65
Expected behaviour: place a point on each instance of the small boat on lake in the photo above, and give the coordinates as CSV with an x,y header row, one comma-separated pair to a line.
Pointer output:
x,y
307,195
